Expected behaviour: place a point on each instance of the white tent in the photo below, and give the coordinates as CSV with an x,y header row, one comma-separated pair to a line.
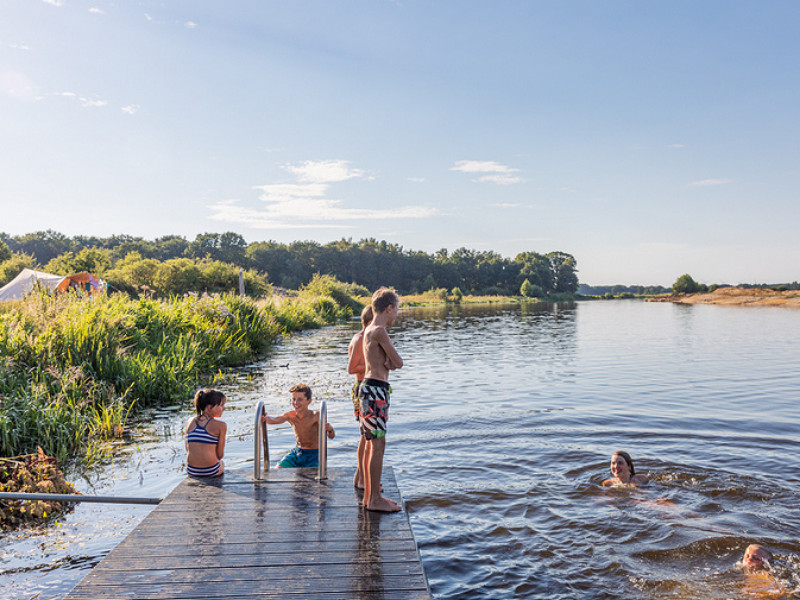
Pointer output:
x,y
24,282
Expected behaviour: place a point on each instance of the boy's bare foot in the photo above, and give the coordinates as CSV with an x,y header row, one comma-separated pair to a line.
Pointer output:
x,y
383,505
360,485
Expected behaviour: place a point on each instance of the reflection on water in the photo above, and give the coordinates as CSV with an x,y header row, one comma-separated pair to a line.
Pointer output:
x,y
502,425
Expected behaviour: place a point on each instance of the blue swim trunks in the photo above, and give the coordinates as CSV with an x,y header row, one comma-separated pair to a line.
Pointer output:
x,y
299,458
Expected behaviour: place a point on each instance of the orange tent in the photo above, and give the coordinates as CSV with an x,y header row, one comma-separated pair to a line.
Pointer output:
x,y
81,281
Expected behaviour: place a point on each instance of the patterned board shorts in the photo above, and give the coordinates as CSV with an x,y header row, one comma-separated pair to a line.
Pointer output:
x,y
374,408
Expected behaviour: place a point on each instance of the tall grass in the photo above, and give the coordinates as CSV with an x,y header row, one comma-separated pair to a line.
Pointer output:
x,y
74,369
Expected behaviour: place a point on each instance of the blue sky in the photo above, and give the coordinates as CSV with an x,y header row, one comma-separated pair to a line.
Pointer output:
x,y
648,139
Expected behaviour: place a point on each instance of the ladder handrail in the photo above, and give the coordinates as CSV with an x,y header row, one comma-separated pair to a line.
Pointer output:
x,y
323,442
260,440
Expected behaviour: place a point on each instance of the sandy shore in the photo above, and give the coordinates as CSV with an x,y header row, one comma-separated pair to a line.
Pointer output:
x,y
735,296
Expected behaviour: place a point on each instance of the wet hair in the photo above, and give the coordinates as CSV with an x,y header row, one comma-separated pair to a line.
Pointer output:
x,y
627,458
383,299
207,397
301,387
366,315
759,547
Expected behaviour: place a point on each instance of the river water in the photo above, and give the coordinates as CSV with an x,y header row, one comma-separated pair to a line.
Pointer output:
x,y
502,425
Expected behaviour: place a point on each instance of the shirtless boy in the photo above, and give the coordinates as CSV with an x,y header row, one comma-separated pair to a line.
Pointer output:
x,y
305,423
357,366
380,358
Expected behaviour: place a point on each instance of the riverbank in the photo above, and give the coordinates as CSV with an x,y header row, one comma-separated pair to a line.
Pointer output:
x,y
737,296
74,369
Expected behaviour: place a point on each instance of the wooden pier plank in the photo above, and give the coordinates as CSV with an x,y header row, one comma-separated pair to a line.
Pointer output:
x,y
289,536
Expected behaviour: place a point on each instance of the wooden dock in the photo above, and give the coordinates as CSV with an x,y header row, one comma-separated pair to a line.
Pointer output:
x,y
288,536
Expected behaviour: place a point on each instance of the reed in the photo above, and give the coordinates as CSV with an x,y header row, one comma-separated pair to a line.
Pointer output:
x,y
74,370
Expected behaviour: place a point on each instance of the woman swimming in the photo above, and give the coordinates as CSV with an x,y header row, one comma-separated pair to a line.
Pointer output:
x,y
205,435
623,471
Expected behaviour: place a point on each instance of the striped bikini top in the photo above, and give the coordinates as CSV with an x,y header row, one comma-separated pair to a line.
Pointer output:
x,y
200,435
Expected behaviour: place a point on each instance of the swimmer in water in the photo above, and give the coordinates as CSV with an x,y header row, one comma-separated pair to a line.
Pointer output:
x,y
623,471
760,582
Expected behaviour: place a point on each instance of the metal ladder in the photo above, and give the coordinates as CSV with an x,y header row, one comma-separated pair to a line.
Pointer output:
x,y
261,443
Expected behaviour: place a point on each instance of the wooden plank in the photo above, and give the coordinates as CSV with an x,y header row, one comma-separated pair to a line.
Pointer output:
x,y
287,537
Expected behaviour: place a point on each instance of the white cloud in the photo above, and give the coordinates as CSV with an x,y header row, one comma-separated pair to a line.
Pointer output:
x,y
130,109
17,85
324,171
96,11
416,179
505,205
478,166
493,171
16,46
500,179
707,182
190,24
148,17
87,103
306,205
54,2
676,146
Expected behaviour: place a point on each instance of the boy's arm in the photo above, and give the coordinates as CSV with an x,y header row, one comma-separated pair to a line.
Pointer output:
x,y
393,360
355,361
275,420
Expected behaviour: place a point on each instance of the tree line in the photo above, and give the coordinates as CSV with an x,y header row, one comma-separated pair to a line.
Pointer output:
x,y
173,264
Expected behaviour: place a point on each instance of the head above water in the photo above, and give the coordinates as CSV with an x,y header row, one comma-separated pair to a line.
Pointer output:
x,y
206,398
627,458
383,299
366,315
756,557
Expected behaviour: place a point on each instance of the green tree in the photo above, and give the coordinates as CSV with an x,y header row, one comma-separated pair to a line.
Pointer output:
x,y
684,285
5,252
456,294
92,260
11,267
564,269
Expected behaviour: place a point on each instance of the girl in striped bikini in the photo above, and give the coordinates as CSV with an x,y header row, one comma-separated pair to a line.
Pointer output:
x,y
205,435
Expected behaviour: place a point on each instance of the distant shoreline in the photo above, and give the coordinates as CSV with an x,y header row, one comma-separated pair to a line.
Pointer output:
x,y
736,296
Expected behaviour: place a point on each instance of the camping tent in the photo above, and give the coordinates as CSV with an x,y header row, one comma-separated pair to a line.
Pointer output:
x,y
24,282
81,281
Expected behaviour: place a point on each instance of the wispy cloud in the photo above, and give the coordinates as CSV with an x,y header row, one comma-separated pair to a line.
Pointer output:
x,y
677,146
17,46
96,11
707,182
84,101
493,172
324,171
190,24
505,205
130,109
54,2
416,179
306,204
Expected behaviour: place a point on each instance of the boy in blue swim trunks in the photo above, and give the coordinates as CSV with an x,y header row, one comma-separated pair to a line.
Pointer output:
x,y
380,357
305,423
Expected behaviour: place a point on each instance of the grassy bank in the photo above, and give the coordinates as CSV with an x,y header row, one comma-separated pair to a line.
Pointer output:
x,y
74,369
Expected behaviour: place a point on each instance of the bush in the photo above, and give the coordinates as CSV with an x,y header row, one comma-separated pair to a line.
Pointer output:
x,y
684,285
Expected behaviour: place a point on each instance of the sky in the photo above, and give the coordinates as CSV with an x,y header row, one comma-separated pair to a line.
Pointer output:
x,y
647,139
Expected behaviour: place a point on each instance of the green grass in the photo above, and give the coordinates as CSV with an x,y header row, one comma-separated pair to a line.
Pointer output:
x,y
74,370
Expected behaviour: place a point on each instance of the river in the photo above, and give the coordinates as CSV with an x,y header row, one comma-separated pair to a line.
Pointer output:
x,y
502,425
